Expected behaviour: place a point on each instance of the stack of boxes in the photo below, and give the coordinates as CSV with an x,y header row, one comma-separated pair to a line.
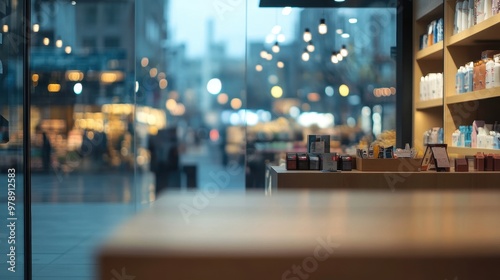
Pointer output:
x,y
318,157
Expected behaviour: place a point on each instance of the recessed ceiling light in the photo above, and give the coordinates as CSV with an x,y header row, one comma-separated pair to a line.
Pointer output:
x,y
353,20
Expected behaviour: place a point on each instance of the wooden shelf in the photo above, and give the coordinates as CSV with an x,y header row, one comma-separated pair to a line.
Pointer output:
x,y
484,32
429,104
434,52
470,151
473,96
427,10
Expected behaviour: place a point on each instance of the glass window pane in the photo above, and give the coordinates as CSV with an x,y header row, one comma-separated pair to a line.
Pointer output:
x,y
83,156
195,84
317,71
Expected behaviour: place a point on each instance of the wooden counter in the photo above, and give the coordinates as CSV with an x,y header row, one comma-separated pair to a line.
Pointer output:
x,y
279,177
310,234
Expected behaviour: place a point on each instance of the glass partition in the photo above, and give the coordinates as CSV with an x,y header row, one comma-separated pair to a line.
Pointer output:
x,y
83,156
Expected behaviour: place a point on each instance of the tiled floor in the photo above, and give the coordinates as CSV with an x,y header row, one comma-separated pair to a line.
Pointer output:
x,y
72,214
66,236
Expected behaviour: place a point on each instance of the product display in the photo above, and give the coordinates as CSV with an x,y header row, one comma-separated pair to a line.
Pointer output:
x,y
434,136
317,158
434,34
318,144
478,135
479,75
431,86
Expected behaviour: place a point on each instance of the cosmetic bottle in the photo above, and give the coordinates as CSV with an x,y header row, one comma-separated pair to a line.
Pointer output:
x,y
454,138
495,6
469,77
426,88
460,80
440,85
471,16
490,65
422,87
458,17
465,15
432,85
496,73
479,9
487,9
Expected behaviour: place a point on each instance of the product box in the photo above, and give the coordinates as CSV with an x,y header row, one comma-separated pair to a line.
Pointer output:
x,y
345,163
461,165
489,163
390,164
479,75
479,166
318,144
291,161
302,161
314,162
496,162
329,162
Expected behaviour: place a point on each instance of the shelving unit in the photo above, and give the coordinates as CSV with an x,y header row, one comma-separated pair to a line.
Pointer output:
x,y
429,104
473,96
459,49
460,151
434,52
454,109
427,113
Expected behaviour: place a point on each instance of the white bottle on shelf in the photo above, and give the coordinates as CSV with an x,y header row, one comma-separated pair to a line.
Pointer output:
x,y
440,85
422,88
465,15
432,85
455,136
427,88
471,14
496,73
458,17
487,9
479,11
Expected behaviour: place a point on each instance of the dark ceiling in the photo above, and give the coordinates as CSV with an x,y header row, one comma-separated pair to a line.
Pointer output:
x,y
328,3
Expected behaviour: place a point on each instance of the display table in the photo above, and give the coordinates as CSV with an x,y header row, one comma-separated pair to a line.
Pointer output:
x,y
279,177
310,234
